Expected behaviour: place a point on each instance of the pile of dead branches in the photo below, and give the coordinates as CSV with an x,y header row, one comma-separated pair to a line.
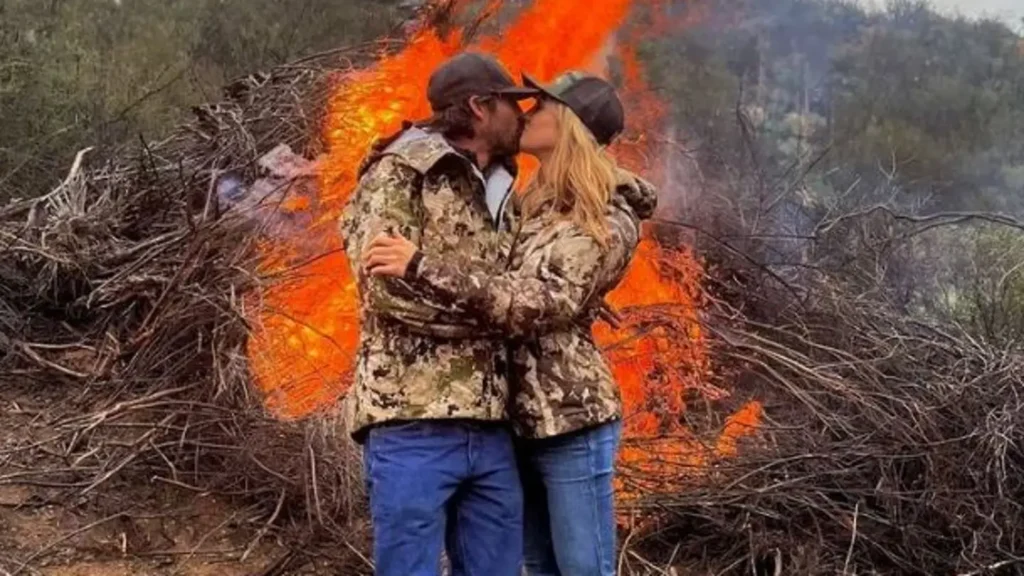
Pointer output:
x,y
893,434
124,299
889,446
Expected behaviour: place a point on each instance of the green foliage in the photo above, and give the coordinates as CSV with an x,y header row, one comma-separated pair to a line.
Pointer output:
x,y
986,294
808,116
76,73
935,102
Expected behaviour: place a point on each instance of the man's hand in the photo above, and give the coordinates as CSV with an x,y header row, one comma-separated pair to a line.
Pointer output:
x,y
388,255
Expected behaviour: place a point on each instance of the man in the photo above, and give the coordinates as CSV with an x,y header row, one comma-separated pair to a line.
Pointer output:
x,y
430,393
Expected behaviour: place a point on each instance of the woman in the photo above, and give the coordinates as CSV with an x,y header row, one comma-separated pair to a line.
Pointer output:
x,y
577,226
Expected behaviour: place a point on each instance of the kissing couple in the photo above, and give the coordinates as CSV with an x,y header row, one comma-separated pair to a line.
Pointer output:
x,y
488,417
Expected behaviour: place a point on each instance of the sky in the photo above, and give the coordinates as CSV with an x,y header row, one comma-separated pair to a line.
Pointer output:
x,y
1011,11
1007,9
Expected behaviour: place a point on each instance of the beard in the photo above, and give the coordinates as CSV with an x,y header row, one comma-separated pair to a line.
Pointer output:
x,y
506,142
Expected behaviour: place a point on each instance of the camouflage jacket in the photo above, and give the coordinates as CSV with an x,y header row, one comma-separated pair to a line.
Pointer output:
x,y
417,359
545,301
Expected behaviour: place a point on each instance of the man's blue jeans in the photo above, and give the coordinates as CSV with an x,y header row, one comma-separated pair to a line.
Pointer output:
x,y
444,485
570,502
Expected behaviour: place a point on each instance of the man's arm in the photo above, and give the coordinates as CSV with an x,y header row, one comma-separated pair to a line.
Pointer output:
x,y
386,201
510,302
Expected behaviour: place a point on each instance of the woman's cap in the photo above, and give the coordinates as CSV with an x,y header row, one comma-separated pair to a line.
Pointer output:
x,y
592,99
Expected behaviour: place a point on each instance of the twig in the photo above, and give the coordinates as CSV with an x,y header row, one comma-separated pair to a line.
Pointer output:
x,y
853,539
266,527
369,563
996,566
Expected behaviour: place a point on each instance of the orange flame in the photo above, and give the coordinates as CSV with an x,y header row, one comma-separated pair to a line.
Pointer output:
x,y
303,350
304,340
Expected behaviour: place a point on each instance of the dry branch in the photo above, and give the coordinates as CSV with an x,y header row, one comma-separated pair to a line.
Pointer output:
x,y
123,292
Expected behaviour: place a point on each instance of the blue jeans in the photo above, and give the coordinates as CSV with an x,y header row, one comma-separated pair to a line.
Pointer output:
x,y
569,518
449,485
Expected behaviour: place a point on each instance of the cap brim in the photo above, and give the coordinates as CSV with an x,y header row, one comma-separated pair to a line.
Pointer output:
x,y
530,82
519,93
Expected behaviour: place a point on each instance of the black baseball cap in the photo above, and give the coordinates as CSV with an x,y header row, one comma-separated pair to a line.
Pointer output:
x,y
592,99
472,74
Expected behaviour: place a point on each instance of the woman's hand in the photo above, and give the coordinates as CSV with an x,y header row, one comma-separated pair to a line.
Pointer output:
x,y
388,255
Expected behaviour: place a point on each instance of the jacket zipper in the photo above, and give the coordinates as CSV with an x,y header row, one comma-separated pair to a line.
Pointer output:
x,y
488,383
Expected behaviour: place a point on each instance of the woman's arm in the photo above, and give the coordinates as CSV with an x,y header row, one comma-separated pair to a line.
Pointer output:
x,y
513,303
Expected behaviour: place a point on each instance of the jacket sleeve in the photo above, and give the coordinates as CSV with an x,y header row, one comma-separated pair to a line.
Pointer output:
x,y
386,200
512,303
624,237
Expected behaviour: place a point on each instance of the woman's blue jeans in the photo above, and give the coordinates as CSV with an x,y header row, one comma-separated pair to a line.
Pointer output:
x,y
569,516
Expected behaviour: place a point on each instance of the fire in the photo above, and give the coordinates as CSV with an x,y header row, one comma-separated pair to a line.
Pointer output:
x,y
304,340
303,350
659,356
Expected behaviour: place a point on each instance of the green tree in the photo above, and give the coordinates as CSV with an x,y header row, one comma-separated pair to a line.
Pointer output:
x,y
76,73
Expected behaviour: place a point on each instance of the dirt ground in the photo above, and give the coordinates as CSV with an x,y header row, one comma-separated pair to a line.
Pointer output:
x,y
169,533
123,528
141,527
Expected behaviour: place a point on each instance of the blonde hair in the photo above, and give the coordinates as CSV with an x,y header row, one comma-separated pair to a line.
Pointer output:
x,y
577,180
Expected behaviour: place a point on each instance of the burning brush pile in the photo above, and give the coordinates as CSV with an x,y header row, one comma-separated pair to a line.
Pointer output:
x,y
188,312
126,305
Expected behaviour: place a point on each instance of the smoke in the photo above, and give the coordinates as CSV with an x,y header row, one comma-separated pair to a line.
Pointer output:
x,y
816,143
